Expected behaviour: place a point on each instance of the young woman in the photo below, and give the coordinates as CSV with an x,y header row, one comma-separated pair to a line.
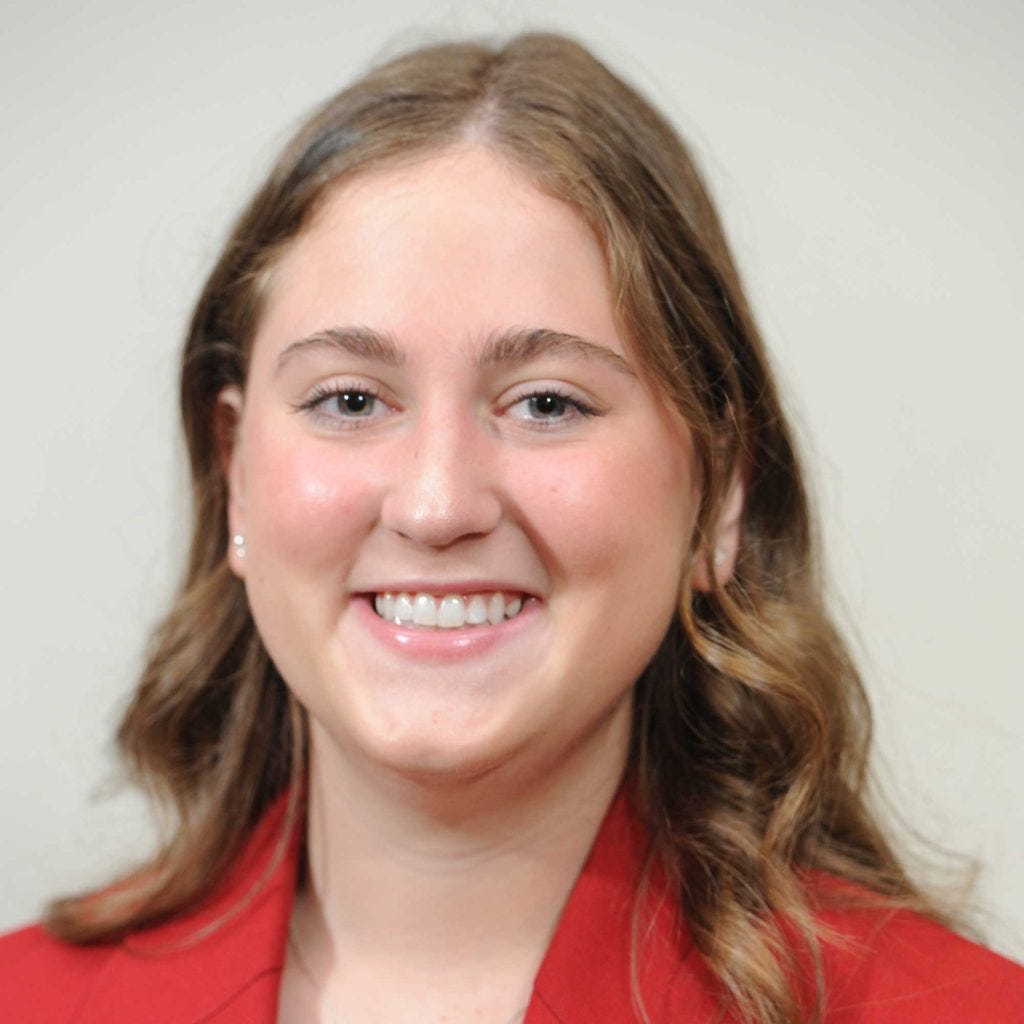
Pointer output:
x,y
500,687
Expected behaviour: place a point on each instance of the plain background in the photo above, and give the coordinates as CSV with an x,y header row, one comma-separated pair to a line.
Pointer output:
x,y
868,161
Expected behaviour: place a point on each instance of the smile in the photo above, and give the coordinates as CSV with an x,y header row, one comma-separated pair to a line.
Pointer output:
x,y
452,611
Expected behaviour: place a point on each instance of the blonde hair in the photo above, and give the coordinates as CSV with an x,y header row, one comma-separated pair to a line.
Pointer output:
x,y
751,726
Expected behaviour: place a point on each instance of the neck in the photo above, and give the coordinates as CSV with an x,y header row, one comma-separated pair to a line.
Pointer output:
x,y
413,878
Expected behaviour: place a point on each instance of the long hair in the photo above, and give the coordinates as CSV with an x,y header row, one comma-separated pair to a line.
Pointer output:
x,y
751,727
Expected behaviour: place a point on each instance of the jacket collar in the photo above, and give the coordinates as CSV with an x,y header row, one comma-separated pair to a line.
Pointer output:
x,y
619,918
222,963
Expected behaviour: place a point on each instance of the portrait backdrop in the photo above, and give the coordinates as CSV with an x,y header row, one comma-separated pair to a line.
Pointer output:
x,y
867,157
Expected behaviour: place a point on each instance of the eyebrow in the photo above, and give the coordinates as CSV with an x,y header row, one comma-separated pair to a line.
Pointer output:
x,y
512,347
521,345
362,342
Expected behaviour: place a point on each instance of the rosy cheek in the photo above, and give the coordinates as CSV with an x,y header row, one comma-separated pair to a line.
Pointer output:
x,y
591,512
310,499
575,507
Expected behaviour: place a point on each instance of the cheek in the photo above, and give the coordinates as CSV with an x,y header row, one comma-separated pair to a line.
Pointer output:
x,y
613,512
304,502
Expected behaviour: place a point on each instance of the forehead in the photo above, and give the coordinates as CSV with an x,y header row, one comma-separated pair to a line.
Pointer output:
x,y
453,247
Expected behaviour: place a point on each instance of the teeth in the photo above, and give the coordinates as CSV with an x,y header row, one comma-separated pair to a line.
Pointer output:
x,y
452,613
403,608
385,605
424,611
448,612
476,612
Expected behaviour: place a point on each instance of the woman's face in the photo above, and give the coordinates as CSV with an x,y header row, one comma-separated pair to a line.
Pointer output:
x,y
441,408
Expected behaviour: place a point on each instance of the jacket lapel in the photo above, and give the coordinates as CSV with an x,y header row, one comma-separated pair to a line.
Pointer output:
x,y
587,974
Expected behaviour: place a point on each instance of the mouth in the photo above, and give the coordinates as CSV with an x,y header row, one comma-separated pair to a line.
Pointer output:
x,y
447,611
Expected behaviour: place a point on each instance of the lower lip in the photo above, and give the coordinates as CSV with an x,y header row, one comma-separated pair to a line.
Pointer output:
x,y
444,644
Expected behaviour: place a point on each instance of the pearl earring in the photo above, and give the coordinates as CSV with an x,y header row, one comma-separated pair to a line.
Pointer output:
x,y
719,556
239,541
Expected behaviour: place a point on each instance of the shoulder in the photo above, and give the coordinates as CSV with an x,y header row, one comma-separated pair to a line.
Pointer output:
x,y
895,966
43,979
218,960
880,965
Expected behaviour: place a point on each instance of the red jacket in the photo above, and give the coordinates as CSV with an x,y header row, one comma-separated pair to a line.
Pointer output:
x,y
898,968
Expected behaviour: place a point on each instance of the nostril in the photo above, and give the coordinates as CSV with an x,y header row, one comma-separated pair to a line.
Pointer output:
x,y
439,517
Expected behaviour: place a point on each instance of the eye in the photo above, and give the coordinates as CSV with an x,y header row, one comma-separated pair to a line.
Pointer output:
x,y
343,404
358,404
549,406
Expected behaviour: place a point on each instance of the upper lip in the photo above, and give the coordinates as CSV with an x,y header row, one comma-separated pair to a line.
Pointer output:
x,y
443,587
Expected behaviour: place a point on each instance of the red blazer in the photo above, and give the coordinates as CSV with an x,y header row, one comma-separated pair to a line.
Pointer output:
x,y
898,968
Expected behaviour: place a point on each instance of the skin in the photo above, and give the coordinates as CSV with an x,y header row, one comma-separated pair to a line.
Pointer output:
x,y
453,795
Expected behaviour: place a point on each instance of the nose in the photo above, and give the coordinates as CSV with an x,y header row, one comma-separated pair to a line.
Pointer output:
x,y
443,485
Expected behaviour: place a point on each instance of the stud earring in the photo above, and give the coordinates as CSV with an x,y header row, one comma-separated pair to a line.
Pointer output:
x,y
719,556
239,541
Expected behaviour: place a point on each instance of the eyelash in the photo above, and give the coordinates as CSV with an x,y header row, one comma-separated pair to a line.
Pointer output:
x,y
323,393
577,404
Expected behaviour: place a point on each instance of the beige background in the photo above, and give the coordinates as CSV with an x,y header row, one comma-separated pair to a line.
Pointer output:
x,y
868,161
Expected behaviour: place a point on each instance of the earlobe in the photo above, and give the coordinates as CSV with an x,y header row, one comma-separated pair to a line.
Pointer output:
x,y
227,417
715,567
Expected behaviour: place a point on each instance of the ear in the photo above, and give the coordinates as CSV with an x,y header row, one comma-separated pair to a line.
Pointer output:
x,y
715,567
227,416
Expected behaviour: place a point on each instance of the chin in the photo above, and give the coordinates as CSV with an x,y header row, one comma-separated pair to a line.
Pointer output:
x,y
437,750
437,764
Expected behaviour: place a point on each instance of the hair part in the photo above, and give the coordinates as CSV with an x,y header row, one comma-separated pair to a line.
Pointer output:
x,y
751,726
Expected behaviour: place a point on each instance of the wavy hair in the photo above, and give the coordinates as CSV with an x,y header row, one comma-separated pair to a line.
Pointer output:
x,y
751,727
